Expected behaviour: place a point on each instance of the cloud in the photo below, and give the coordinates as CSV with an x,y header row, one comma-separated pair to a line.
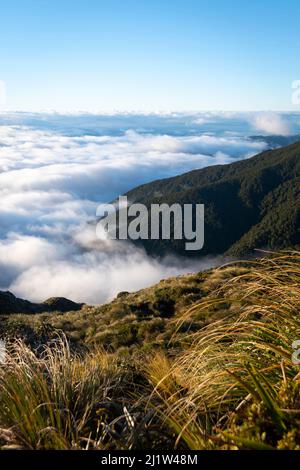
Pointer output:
x,y
271,123
94,279
38,268
35,159
51,183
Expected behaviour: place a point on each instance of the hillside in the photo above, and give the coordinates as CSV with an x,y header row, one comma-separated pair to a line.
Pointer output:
x,y
9,303
276,141
132,321
249,204
202,361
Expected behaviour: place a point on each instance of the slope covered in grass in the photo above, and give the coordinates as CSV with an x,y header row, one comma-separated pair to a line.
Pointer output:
x,y
141,320
225,376
238,384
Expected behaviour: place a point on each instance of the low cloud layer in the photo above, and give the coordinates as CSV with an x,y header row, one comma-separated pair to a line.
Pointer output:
x,y
272,123
51,183
38,268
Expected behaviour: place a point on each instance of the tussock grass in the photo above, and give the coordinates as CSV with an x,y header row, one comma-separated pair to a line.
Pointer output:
x,y
236,386
229,383
60,400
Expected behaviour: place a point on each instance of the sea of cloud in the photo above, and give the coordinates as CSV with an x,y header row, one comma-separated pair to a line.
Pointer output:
x,y
55,170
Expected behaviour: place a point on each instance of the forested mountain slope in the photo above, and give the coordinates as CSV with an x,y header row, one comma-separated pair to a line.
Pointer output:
x,y
253,203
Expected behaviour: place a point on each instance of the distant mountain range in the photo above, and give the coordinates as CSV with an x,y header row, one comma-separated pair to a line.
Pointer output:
x,y
276,141
249,204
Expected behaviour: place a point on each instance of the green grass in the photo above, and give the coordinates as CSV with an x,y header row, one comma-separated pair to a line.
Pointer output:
x,y
149,312
216,374
236,385
58,399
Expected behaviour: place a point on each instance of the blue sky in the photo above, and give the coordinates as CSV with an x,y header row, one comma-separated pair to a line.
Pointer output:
x,y
149,55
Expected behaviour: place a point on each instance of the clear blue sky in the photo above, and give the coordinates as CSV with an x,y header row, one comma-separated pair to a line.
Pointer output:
x,y
149,55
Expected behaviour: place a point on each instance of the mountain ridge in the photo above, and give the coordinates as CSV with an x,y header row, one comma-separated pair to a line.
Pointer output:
x,y
9,303
249,204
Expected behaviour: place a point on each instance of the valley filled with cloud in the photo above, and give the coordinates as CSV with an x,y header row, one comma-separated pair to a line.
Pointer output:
x,y
55,170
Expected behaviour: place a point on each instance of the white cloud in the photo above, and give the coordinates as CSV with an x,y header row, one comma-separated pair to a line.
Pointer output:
x,y
50,185
39,268
271,123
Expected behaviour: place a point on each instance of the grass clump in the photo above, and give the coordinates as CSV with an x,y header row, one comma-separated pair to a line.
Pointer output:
x,y
220,374
236,385
60,400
